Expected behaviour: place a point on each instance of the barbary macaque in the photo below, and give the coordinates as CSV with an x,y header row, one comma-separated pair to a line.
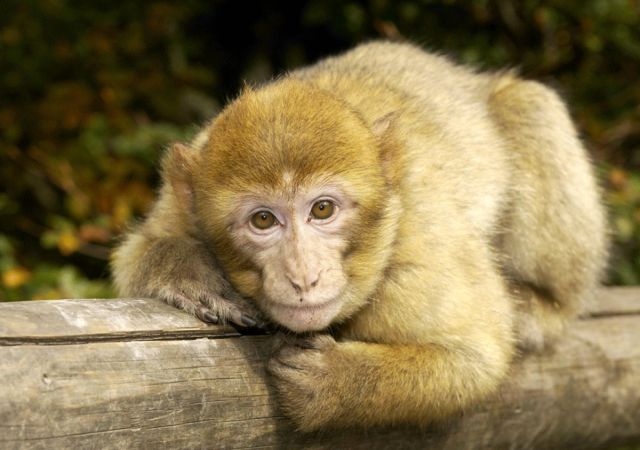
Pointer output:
x,y
413,221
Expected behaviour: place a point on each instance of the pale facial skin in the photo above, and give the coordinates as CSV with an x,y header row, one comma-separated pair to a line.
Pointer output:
x,y
297,238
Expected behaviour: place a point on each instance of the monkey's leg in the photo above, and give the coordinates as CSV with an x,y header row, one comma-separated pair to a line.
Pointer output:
x,y
180,271
538,318
555,234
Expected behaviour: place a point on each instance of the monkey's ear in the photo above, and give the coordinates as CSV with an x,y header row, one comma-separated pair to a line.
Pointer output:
x,y
383,128
177,172
382,124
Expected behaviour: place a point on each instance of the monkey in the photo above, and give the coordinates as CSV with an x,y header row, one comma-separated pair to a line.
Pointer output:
x,y
413,224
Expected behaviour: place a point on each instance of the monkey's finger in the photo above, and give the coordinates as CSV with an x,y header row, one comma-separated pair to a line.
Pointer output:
x,y
296,358
211,317
192,307
278,340
206,315
229,312
248,321
306,344
280,368
239,318
315,342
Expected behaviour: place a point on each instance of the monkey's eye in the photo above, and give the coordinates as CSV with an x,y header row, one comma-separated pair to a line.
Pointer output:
x,y
322,209
263,220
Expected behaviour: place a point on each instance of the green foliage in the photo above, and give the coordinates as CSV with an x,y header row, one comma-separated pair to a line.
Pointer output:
x,y
91,93
624,199
91,96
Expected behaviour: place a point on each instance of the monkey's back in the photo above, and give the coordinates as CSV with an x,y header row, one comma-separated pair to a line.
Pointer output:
x,y
491,148
442,116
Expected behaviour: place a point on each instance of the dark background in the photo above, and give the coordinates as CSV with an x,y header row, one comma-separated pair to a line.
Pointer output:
x,y
92,91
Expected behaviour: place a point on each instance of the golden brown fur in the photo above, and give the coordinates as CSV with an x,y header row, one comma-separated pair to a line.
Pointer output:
x,y
471,223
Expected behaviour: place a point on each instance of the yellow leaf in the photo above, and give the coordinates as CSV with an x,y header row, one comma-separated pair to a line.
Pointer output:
x,y
68,243
94,233
618,178
15,277
122,212
48,294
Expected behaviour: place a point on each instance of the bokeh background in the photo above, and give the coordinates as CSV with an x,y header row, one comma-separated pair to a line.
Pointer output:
x,y
91,92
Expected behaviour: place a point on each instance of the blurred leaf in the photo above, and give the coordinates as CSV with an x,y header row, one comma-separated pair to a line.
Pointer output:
x,y
15,277
67,243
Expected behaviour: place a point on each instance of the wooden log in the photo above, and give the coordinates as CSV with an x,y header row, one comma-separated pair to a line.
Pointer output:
x,y
136,373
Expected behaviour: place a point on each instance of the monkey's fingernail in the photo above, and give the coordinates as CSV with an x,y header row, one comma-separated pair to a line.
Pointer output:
x,y
211,317
248,321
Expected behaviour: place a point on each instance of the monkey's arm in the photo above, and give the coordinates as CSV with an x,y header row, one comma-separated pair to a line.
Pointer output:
x,y
181,271
165,257
324,383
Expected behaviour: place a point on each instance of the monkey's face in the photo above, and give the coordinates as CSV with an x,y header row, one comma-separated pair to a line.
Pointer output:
x,y
293,198
296,245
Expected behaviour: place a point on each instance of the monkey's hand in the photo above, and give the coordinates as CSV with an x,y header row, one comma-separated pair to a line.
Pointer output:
x,y
183,273
302,372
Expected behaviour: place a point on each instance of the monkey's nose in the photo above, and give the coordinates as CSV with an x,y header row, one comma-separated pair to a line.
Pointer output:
x,y
304,283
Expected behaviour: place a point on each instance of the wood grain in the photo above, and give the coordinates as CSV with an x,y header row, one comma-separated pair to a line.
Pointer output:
x,y
135,373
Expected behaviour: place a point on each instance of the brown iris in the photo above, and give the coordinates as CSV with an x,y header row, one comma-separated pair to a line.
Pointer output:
x,y
263,220
322,210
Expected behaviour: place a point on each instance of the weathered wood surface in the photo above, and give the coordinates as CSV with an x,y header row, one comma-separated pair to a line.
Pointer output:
x,y
135,373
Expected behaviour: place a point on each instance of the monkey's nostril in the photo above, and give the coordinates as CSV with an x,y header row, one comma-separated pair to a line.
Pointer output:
x,y
296,286
305,286
314,283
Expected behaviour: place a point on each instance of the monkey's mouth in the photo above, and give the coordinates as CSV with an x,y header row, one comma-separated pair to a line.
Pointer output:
x,y
302,318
